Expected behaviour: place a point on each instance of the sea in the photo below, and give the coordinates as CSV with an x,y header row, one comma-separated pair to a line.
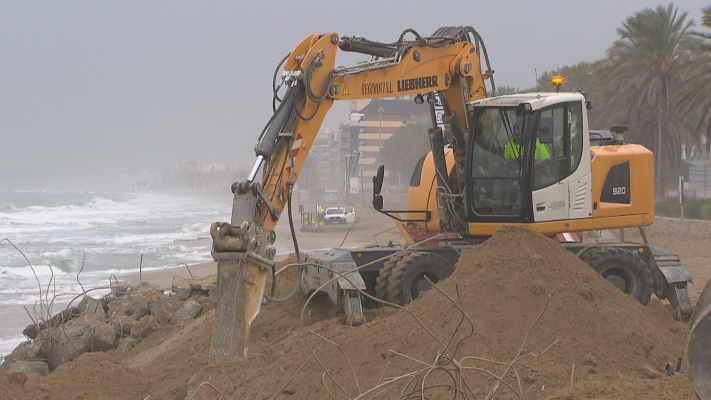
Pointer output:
x,y
55,245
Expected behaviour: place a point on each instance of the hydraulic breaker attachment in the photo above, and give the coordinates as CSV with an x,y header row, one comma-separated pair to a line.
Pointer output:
x,y
324,268
244,254
698,345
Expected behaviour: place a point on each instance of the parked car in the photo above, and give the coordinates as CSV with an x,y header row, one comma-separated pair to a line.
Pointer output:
x,y
350,214
334,215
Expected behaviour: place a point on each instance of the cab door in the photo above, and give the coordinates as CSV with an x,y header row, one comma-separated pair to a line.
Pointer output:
x,y
559,130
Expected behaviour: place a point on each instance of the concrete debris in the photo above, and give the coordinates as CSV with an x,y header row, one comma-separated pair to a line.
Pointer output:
x,y
117,321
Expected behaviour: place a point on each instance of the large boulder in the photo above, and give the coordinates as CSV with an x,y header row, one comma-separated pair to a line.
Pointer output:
x,y
183,294
63,316
164,308
140,304
120,307
30,367
188,311
122,324
25,351
90,305
62,344
86,320
150,287
101,337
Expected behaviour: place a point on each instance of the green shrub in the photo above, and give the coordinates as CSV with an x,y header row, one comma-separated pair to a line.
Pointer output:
x,y
706,211
693,208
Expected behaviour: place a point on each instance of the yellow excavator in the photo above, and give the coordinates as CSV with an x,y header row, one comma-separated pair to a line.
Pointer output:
x,y
477,178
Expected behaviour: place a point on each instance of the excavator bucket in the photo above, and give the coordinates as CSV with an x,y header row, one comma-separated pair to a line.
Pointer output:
x,y
698,345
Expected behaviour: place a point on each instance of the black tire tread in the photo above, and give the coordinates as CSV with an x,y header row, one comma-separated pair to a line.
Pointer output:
x,y
599,257
383,279
395,289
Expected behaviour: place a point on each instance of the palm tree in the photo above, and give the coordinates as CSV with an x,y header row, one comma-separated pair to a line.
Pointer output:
x,y
697,102
644,67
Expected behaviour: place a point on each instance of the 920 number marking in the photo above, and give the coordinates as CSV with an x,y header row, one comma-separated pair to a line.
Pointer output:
x,y
619,191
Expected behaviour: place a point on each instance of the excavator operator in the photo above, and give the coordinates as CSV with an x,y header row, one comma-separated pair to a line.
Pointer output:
x,y
514,148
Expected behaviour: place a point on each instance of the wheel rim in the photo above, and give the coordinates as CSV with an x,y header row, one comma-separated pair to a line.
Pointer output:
x,y
620,279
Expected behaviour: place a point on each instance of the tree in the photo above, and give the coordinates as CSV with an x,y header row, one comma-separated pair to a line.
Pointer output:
x,y
697,102
401,152
503,90
577,77
643,68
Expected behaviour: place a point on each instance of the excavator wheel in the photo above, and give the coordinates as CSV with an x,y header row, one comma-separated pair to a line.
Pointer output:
x,y
383,280
623,269
408,278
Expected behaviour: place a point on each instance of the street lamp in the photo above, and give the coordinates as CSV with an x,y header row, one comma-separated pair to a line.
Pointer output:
x,y
380,140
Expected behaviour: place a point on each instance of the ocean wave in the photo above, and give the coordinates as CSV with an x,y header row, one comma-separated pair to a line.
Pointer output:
x,y
35,270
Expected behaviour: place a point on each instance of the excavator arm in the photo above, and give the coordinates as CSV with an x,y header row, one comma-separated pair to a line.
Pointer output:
x,y
449,63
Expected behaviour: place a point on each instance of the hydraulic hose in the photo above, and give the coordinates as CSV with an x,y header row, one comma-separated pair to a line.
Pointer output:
x,y
269,298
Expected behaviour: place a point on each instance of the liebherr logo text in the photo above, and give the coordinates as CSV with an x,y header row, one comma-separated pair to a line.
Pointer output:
x,y
377,88
417,83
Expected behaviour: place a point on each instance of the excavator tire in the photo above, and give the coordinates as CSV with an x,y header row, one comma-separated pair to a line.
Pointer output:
x,y
383,279
623,269
408,278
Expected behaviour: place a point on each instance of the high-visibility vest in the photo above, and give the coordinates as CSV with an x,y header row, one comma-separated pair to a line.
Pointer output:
x,y
514,150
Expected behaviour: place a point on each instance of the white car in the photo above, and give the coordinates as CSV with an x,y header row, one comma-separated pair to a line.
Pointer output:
x,y
334,215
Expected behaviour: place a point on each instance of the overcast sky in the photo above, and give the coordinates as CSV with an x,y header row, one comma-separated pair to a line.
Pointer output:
x,y
117,85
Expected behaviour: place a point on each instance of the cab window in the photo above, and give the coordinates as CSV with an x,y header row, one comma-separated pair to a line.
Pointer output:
x,y
496,167
559,130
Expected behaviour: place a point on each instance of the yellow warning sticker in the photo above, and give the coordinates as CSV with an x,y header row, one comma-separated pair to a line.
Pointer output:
x,y
345,90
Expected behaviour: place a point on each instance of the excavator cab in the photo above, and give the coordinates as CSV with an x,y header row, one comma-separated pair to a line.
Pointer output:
x,y
508,182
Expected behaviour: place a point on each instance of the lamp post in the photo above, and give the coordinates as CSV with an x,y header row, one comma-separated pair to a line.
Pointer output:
x,y
380,140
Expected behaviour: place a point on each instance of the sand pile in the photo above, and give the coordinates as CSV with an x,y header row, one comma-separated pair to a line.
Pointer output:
x,y
502,286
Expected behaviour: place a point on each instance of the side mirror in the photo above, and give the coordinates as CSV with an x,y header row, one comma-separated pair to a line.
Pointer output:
x,y
377,187
378,180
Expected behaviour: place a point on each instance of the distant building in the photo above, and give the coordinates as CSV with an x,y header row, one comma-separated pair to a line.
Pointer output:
x,y
212,167
186,165
381,118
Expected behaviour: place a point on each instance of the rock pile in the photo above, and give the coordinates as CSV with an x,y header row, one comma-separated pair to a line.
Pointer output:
x,y
118,321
